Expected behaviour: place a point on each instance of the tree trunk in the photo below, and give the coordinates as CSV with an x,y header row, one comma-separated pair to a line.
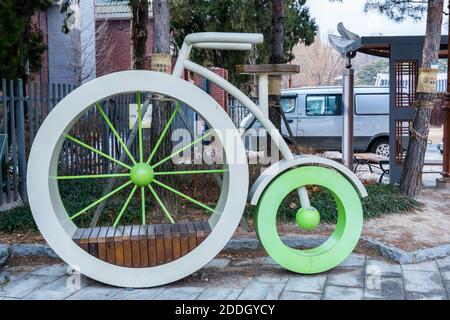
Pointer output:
x,y
411,180
162,110
139,34
276,57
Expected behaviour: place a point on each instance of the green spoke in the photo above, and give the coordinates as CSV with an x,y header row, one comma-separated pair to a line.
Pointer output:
x,y
143,205
124,146
79,213
163,134
168,173
81,143
141,152
182,149
94,176
161,204
125,206
204,206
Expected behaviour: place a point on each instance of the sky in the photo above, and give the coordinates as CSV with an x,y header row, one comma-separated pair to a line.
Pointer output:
x,y
350,12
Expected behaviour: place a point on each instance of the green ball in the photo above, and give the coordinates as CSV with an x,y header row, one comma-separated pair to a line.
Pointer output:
x,y
307,219
142,174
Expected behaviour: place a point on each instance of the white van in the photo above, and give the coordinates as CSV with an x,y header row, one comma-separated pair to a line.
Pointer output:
x,y
315,118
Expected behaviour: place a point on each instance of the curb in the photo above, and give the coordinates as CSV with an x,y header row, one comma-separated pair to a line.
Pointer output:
x,y
395,254
405,257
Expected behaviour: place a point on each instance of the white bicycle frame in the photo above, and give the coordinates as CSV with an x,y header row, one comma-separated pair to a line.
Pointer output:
x,y
233,41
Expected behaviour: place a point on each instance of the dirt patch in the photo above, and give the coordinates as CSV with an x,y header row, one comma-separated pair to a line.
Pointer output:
x,y
25,237
423,228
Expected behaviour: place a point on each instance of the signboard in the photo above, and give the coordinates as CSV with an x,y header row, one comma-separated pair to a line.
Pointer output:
x,y
427,80
146,118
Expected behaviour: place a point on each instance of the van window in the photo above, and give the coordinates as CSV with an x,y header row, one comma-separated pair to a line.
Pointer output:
x,y
324,105
372,104
288,104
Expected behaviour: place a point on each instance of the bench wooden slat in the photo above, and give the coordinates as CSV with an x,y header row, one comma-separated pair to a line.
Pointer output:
x,y
127,249
168,255
77,236
192,235
159,231
151,235
143,246
118,244
93,242
184,239
200,233
111,245
84,240
102,244
176,245
206,228
135,247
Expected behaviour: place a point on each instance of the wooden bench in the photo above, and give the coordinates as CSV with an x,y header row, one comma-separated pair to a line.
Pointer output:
x,y
142,246
372,160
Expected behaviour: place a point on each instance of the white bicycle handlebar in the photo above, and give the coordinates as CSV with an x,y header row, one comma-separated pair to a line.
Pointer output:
x,y
223,37
217,41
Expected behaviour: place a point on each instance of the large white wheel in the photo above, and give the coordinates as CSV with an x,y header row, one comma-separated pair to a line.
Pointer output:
x,y
52,218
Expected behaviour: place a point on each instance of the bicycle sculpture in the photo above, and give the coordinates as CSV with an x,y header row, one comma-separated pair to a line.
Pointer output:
x,y
155,254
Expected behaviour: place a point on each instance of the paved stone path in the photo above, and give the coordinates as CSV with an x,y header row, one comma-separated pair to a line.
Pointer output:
x,y
360,277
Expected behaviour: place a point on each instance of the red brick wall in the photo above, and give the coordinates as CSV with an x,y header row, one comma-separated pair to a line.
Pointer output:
x,y
40,20
119,32
215,91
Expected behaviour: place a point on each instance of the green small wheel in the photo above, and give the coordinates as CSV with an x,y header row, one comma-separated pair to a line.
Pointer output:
x,y
342,241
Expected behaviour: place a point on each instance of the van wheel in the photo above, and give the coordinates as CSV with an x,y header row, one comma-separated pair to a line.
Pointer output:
x,y
381,148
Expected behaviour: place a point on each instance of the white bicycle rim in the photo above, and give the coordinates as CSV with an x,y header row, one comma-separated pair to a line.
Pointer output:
x,y
53,220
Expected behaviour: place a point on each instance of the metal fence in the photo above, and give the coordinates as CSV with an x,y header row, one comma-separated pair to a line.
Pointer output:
x,y
237,111
23,108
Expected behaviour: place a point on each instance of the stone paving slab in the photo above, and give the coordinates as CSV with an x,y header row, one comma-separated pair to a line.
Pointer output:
x,y
383,268
55,270
290,295
59,289
306,284
138,294
220,293
346,277
271,278
342,293
359,277
262,291
423,282
24,286
444,264
95,293
424,296
422,266
180,293
355,260
387,288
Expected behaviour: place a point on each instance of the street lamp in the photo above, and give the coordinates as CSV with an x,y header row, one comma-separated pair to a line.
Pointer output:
x,y
347,45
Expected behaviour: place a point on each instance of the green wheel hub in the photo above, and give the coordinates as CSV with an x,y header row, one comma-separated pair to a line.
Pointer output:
x,y
341,242
142,174
307,218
